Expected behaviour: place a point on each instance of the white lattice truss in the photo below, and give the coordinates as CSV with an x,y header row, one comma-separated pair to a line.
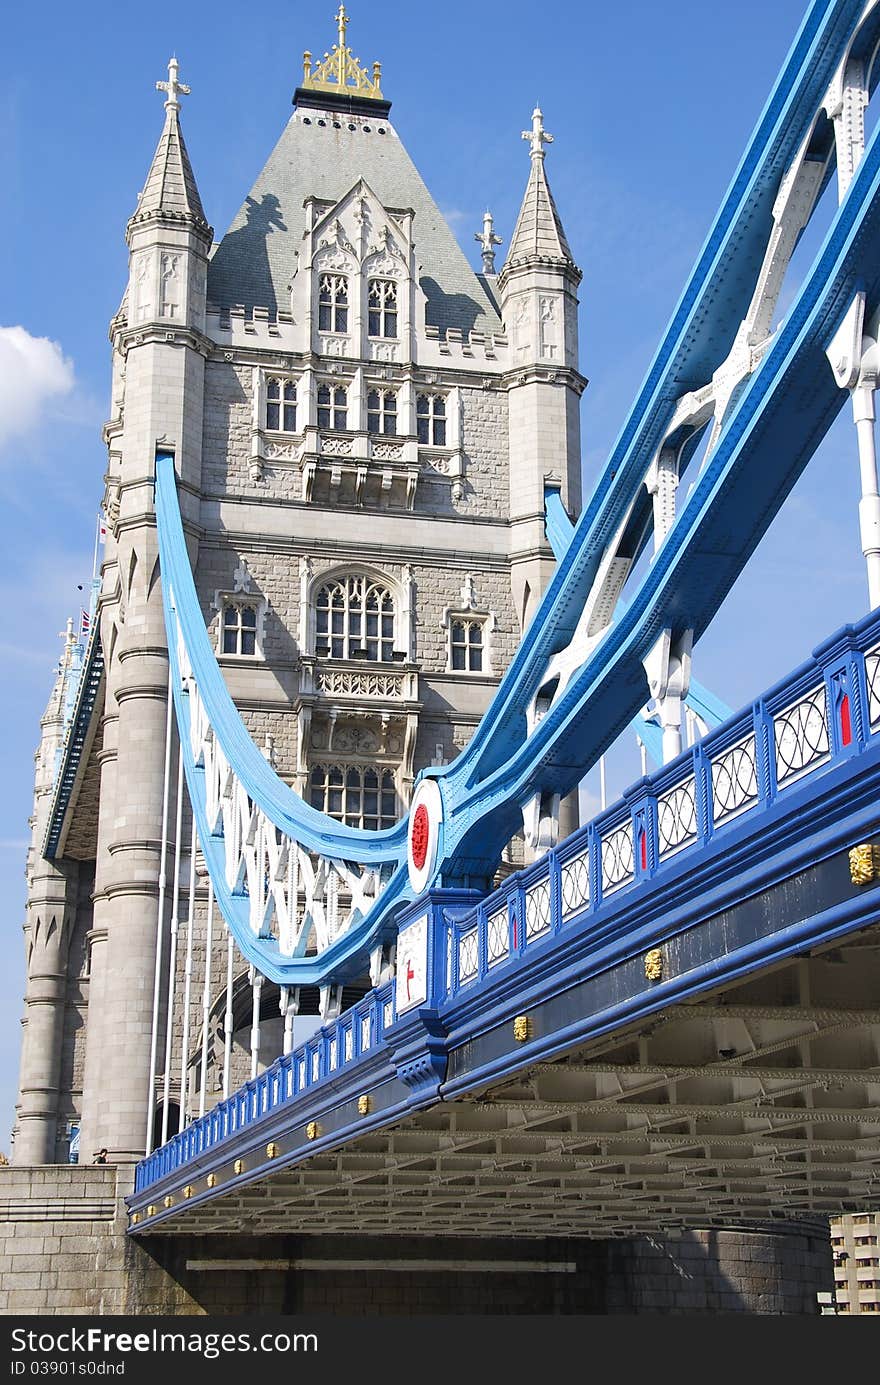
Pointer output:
x,y
706,407
302,899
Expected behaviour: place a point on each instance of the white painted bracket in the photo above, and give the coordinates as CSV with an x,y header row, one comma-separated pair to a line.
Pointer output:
x,y
845,351
541,822
668,669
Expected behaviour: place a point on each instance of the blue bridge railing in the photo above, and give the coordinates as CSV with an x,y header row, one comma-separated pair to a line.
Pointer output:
x,y
826,711
335,1047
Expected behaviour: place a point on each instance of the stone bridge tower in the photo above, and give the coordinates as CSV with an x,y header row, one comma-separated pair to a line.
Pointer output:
x,y
363,428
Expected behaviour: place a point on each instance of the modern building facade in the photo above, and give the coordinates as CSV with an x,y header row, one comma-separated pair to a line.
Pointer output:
x,y
855,1241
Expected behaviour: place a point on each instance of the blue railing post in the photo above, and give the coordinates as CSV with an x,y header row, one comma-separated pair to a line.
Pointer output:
x,y
554,877
844,691
643,811
703,798
765,752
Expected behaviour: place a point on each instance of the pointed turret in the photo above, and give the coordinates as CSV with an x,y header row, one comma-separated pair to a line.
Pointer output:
x,y
47,930
538,291
168,235
538,233
158,396
170,190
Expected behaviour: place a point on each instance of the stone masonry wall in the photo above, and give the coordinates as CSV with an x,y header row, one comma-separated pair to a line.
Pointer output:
x,y
64,1251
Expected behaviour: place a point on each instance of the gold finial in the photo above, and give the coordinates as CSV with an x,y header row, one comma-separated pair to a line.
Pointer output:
x,y
340,70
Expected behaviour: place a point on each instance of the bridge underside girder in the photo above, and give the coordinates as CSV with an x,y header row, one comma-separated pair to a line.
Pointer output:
x,y
760,1101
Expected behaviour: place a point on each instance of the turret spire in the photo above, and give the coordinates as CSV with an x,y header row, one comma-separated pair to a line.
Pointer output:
x,y
538,234
488,240
170,189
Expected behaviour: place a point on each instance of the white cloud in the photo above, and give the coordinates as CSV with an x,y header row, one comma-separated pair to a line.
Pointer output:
x,y
454,216
33,370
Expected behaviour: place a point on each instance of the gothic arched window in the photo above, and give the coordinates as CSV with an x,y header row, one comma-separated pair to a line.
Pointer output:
x,y
382,311
431,419
358,795
281,405
354,619
332,303
239,628
332,407
466,644
382,412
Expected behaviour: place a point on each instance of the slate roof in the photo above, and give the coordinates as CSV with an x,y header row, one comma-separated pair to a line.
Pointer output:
x,y
254,262
170,188
538,231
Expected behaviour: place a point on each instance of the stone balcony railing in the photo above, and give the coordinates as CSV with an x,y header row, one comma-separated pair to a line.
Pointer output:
x,y
357,680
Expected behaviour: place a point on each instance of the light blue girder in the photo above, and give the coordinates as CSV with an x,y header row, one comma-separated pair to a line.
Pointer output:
x,y
711,709
771,427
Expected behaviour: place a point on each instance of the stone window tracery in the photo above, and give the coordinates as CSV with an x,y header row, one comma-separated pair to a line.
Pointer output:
x,y
238,628
354,619
431,419
281,405
466,644
333,303
382,412
333,407
358,795
382,309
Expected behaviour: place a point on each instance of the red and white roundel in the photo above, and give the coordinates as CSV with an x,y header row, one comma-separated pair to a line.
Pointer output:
x,y
426,815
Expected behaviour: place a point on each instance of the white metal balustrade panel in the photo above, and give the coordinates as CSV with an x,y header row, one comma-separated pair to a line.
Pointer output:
x,y
537,909
801,736
497,937
677,818
467,956
618,865
734,780
872,678
575,884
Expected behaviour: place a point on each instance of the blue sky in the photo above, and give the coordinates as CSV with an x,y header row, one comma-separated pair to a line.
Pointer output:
x,y
650,106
